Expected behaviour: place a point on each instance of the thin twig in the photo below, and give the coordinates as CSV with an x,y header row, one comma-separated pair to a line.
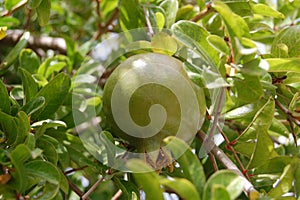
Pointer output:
x,y
223,158
216,118
105,28
289,118
148,22
35,42
74,170
87,194
213,161
75,188
15,8
231,148
288,112
203,13
117,195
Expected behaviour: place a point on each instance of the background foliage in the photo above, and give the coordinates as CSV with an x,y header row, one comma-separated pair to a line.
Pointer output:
x,y
46,48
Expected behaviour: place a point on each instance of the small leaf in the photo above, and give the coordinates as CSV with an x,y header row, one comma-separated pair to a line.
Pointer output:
x,y
236,26
14,53
43,12
283,64
34,105
44,125
194,36
219,192
160,20
54,93
248,85
5,102
218,43
18,156
170,7
286,181
265,10
30,87
149,180
34,4
9,126
131,15
286,43
182,187
163,43
9,4
49,150
29,60
44,170
228,179
188,161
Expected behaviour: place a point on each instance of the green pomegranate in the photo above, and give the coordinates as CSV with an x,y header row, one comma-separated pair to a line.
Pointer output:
x,y
149,97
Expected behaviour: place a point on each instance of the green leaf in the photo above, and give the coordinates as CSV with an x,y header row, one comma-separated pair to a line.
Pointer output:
x,y
4,103
44,170
258,130
182,187
286,43
149,180
286,181
9,21
49,150
170,7
297,180
249,89
188,161
34,105
160,20
44,125
131,15
43,12
241,112
236,26
49,192
283,64
14,53
9,4
218,43
10,127
21,153
30,87
32,4
29,60
194,36
23,123
18,156
164,43
54,93
228,179
265,10
219,192
63,183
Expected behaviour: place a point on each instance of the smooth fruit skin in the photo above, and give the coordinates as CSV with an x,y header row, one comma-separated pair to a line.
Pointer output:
x,y
149,94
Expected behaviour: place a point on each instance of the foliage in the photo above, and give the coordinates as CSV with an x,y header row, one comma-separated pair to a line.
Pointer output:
x,y
254,45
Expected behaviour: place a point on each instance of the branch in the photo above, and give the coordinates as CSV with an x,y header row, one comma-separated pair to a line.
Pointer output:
x,y
86,195
35,42
288,112
203,13
15,8
223,158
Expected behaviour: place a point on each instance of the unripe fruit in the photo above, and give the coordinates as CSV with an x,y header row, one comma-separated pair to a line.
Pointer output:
x,y
149,97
